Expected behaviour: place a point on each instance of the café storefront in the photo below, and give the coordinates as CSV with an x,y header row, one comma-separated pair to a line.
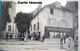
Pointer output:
x,y
55,32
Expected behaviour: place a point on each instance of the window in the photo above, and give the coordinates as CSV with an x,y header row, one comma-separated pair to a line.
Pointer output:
x,y
51,21
51,11
31,27
9,27
34,26
9,4
38,26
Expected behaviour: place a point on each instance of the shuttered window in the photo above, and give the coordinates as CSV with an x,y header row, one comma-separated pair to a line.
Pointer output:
x,y
51,11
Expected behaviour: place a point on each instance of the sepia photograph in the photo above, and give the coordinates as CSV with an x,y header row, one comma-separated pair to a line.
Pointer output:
x,y
39,25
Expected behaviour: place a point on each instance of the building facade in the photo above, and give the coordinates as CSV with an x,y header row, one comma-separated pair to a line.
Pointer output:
x,y
11,27
52,21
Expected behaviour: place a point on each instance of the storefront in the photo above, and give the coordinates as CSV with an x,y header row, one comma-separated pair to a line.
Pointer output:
x,y
55,32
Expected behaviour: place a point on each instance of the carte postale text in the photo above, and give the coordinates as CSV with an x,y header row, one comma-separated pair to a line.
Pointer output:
x,y
29,2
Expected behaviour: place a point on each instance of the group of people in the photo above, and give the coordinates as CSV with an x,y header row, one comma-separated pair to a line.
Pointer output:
x,y
67,40
9,36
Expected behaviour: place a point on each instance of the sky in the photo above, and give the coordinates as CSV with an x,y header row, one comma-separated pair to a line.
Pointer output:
x,y
27,8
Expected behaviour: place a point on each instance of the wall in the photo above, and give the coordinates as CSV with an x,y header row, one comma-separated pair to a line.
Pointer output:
x,y
61,19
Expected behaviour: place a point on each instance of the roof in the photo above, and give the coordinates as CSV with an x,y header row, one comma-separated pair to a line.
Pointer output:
x,y
39,11
72,5
52,5
61,7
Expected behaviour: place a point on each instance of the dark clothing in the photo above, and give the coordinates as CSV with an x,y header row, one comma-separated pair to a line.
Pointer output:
x,y
7,36
61,42
11,36
43,38
64,39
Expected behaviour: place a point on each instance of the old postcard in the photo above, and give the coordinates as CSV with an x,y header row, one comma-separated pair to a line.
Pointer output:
x,y
39,25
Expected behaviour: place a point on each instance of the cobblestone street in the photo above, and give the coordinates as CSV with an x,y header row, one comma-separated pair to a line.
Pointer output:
x,y
31,45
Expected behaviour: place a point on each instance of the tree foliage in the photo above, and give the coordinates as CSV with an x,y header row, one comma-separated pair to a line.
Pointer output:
x,y
23,21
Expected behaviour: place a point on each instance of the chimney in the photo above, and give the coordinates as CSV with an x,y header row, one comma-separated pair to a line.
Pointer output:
x,y
57,4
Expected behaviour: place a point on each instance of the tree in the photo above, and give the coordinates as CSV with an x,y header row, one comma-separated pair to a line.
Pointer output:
x,y
23,22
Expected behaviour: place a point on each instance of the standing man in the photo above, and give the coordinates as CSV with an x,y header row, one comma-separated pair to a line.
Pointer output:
x,y
43,38
11,36
64,37
7,36
25,36
61,41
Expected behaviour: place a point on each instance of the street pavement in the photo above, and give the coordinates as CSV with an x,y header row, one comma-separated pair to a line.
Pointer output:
x,y
31,45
